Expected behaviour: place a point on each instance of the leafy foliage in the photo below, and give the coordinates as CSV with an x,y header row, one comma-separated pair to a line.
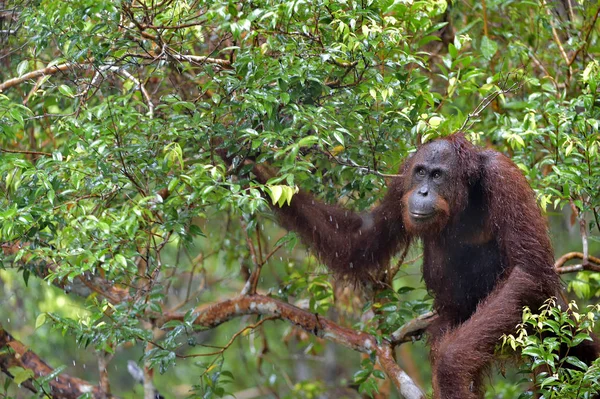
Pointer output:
x,y
113,117
542,337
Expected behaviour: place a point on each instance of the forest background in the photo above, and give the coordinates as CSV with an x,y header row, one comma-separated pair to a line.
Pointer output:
x,y
135,262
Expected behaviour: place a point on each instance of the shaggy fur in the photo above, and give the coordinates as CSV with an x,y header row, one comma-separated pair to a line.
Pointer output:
x,y
486,252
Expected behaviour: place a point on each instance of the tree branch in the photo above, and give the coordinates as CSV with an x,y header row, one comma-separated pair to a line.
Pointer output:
x,y
215,314
52,70
62,386
592,264
484,103
589,30
413,328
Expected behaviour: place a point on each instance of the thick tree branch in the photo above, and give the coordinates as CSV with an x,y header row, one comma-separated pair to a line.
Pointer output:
x,y
213,315
14,354
413,329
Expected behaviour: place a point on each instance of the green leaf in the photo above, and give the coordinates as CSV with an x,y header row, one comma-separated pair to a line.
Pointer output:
x,y
120,259
339,137
488,48
40,320
21,374
275,193
66,91
22,68
379,374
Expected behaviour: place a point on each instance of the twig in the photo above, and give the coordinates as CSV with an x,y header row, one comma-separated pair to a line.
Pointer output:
x,y
393,270
587,37
485,20
582,231
233,338
557,39
273,251
484,103
250,286
198,59
584,239
46,154
103,360
149,390
126,74
362,168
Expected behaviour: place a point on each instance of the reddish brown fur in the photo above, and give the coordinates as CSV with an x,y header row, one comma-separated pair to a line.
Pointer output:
x,y
486,253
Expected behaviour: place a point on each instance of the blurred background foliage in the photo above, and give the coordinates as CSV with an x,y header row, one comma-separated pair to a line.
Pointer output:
x,y
111,113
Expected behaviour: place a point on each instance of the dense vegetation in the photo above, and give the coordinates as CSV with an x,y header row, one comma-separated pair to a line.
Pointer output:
x,y
127,243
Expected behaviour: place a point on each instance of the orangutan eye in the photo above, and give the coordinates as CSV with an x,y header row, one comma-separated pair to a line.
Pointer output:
x,y
421,172
437,174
